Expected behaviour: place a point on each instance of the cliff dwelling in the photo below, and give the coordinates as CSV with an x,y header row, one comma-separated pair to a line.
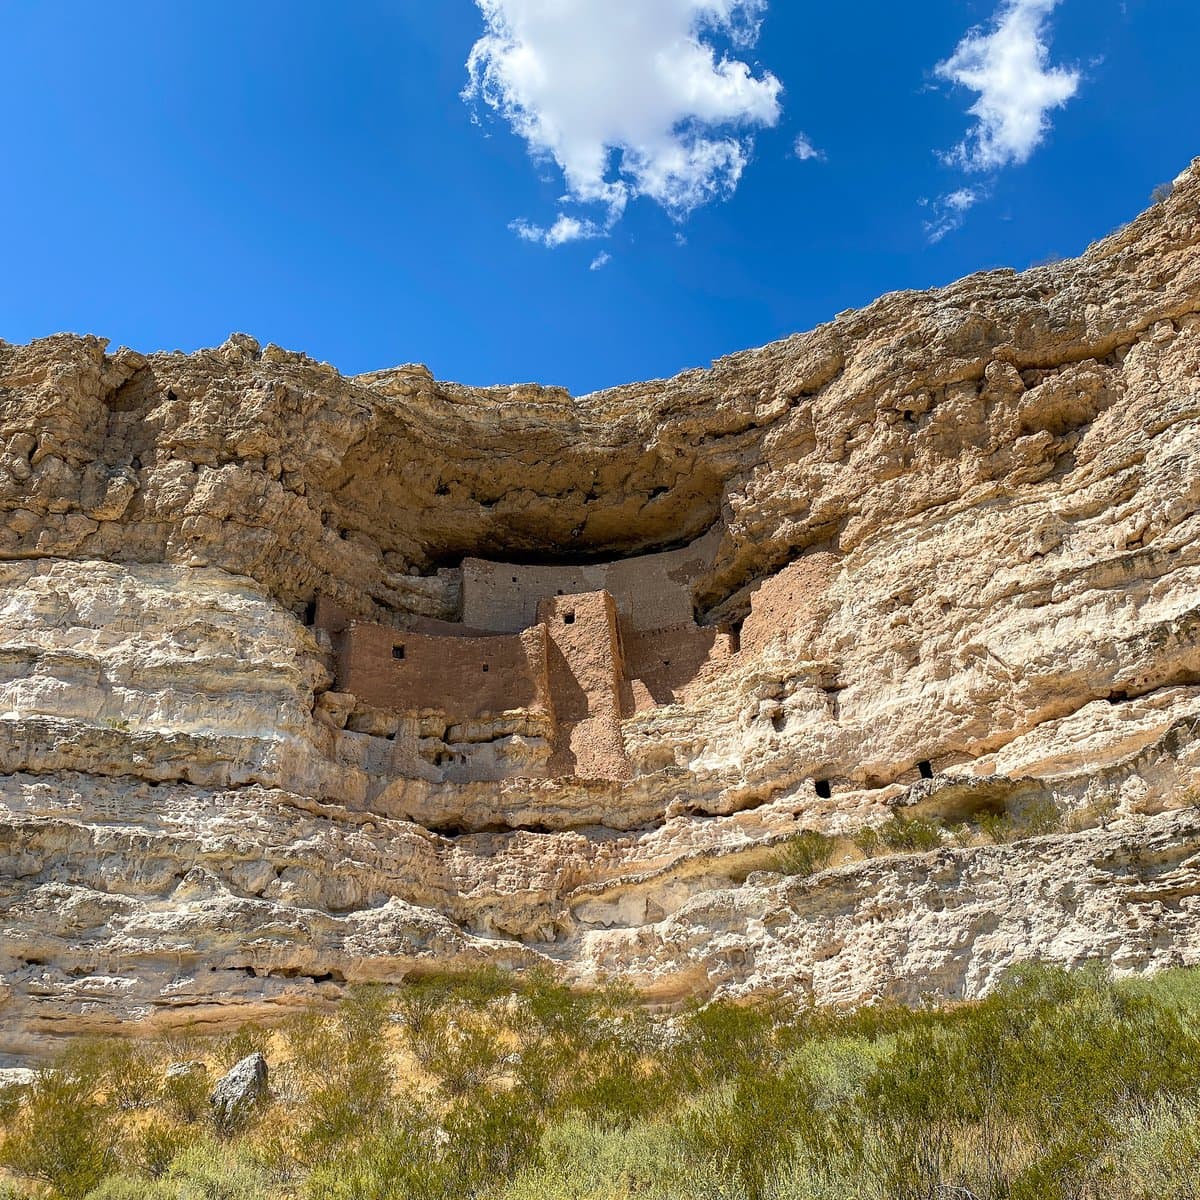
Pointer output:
x,y
540,669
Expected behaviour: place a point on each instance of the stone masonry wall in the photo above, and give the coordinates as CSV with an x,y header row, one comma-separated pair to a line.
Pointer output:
x,y
586,674
660,664
464,677
650,592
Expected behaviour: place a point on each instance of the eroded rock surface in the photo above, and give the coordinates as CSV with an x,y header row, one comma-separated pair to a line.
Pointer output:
x,y
952,540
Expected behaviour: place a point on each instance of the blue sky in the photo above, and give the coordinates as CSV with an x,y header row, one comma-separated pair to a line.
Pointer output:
x,y
312,174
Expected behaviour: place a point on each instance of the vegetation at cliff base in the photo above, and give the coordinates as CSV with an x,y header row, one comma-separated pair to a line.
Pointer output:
x,y
1058,1086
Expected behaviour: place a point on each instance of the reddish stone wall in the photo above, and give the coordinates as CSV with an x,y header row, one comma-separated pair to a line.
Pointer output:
x,y
585,675
464,677
650,592
330,616
792,599
661,664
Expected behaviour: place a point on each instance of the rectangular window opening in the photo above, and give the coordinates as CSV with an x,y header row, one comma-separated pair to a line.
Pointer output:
x,y
569,617
398,653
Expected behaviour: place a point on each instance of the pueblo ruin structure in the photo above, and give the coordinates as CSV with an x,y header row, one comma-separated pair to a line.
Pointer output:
x,y
555,655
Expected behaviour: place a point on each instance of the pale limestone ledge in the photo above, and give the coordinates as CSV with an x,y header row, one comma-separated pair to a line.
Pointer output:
x,y
961,530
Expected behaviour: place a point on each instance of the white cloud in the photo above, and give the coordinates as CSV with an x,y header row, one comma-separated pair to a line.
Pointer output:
x,y
600,261
805,151
629,98
950,211
565,229
1008,65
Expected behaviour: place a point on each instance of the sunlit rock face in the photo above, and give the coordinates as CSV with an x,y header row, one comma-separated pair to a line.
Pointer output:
x,y
939,556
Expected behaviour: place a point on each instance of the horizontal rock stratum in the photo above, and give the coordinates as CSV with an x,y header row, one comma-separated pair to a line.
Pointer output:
x,y
936,557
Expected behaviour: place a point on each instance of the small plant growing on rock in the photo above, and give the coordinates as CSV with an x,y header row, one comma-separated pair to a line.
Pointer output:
x,y
805,854
1035,820
900,835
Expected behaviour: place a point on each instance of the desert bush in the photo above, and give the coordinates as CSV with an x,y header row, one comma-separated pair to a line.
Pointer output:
x,y
1162,193
231,1048
340,1072
1034,820
899,835
208,1170
1157,1157
580,1159
64,1134
152,1147
131,1187
464,1055
132,1072
185,1098
805,854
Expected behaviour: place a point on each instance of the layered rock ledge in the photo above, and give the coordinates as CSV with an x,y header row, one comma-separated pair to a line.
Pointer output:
x,y
952,540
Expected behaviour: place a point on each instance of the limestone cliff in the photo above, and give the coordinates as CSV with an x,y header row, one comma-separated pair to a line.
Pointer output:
x,y
950,542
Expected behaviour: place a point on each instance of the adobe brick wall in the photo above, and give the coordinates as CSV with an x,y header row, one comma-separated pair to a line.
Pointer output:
x,y
585,676
792,599
466,678
661,663
330,616
650,592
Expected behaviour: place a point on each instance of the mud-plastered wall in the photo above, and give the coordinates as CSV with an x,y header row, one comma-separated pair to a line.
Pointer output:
x,y
653,591
585,675
464,677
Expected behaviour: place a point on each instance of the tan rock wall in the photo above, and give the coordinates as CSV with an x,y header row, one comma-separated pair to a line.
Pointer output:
x,y
194,822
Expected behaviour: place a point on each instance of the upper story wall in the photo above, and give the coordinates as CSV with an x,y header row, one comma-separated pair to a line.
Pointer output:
x,y
653,591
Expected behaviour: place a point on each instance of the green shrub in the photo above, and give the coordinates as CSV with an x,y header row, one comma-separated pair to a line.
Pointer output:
x,y
248,1039
132,1073
1034,820
868,841
132,1187
185,1097
64,1134
899,835
581,1160
209,1170
400,1161
808,853
341,1072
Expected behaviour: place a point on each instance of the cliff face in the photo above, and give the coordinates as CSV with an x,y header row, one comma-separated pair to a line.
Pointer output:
x,y
952,538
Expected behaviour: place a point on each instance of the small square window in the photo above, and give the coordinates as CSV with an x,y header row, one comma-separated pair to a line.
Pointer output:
x,y
569,617
398,653
485,668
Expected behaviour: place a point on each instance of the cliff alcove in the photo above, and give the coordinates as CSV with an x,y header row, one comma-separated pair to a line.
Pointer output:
x,y
310,679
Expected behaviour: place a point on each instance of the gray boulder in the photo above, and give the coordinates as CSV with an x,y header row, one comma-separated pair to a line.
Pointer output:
x,y
184,1070
237,1094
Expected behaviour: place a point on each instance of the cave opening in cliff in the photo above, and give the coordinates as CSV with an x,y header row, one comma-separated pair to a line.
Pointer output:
x,y
824,789
926,769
